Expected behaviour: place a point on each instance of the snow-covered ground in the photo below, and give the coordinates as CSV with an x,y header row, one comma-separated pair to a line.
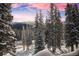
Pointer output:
x,y
21,52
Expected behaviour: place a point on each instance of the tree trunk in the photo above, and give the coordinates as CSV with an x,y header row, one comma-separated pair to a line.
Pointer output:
x,y
28,30
76,45
1,54
27,50
53,50
72,47
23,38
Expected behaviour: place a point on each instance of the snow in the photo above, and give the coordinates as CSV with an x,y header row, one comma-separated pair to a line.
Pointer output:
x,y
45,52
21,52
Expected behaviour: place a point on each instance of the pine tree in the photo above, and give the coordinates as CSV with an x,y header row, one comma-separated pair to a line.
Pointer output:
x,y
39,34
71,25
46,30
76,22
48,41
36,20
59,32
7,35
53,29
51,34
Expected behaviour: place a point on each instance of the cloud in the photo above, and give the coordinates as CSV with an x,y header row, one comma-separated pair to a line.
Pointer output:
x,y
43,6
39,5
32,5
25,16
46,6
61,6
22,17
15,5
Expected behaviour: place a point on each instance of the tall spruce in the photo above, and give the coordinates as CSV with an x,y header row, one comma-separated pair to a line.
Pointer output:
x,y
76,22
53,29
39,33
7,35
59,31
71,26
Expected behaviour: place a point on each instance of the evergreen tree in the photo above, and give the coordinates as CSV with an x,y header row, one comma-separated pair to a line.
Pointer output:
x,y
46,30
59,30
76,22
53,29
71,25
39,33
7,35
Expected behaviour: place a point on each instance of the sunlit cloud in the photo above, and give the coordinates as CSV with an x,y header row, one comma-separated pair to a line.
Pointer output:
x,y
23,18
15,5
27,10
61,6
40,5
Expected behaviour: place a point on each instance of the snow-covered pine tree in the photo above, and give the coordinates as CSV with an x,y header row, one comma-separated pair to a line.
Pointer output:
x,y
59,30
76,22
39,33
67,25
46,31
71,25
7,35
49,32
53,29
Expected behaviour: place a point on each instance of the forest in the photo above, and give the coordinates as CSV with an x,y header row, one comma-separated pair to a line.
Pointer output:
x,y
50,38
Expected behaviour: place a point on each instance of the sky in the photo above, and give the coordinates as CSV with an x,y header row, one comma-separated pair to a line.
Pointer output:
x,y
24,12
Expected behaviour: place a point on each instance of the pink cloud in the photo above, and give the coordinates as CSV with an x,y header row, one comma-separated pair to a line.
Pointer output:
x,y
44,6
35,5
40,5
61,6
22,17
15,5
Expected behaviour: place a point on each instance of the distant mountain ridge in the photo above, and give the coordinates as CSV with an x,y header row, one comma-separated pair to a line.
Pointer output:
x,y
19,25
